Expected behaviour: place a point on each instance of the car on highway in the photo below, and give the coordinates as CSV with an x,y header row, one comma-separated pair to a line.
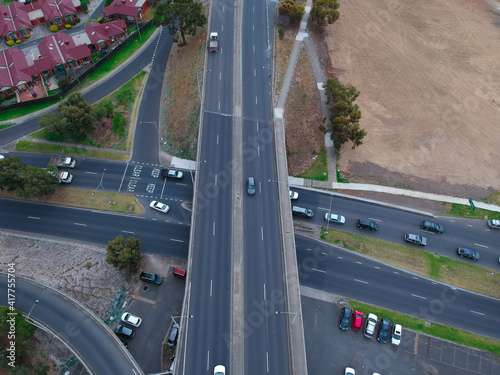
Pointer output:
x,y
219,370
251,185
415,239
371,323
334,218
172,173
463,252
158,206
431,227
357,320
172,339
397,331
294,195
383,330
131,319
301,211
124,331
346,318
151,278
494,224
349,371
367,224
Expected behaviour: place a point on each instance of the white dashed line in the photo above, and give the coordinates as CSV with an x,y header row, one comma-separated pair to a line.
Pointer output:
x,y
361,281
476,312
417,296
315,269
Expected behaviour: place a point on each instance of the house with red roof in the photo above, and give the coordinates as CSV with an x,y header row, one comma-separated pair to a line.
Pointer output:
x,y
13,78
14,22
128,10
103,35
56,12
64,51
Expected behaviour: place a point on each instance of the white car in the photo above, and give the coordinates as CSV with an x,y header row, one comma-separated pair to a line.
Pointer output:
x,y
334,218
371,323
131,319
349,371
158,206
294,195
494,224
396,334
219,370
2,157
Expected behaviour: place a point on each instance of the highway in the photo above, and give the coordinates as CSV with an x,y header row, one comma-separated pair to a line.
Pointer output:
x,y
90,340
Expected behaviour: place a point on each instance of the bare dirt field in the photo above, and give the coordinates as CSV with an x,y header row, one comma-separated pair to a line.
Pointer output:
x,y
429,78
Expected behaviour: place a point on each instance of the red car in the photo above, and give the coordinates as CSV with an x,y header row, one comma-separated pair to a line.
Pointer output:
x,y
357,321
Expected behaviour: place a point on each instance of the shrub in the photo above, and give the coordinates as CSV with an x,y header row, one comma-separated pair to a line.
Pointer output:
x,y
292,9
118,124
281,32
85,7
54,28
99,20
18,41
77,20
70,22
10,43
63,83
125,96
68,26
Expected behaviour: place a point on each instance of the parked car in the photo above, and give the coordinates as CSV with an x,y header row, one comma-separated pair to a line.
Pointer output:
x,y
294,195
251,185
124,331
334,218
416,239
151,278
158,206
300,211
383,330
463,252
131,319
172,339
397,331
346,318
371,323
349,371
219,370
179,272
494,224
367,224
357,321
431,227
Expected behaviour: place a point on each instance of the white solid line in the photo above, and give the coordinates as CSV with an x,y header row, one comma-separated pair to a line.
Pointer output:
x,y
358,262
322,208
126,231
469,225
213,230
377,267
262,233
374,219
477,244
361,281
211,284
416,295
397,273
33,217
173,239
265,291
91,172
308,249
416,278
83,225
267,361
315,269
476,312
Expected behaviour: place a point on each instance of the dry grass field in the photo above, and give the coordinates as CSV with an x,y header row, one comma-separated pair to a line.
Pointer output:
x,y
429,76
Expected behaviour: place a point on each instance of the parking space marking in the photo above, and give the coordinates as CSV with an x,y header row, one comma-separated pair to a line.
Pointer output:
x,y
476,312
361,281
416,295
83,225
477,244
315,269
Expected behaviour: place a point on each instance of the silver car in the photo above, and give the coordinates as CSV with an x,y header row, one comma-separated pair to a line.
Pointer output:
x,y
371,323
334,218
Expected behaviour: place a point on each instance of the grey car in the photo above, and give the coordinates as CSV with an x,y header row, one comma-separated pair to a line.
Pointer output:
x,y
494,224
416,239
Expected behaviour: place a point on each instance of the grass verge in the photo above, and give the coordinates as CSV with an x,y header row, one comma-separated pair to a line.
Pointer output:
x,y
59,149
463,210
448,270
6,126
19,112
65,196
438,330
318,169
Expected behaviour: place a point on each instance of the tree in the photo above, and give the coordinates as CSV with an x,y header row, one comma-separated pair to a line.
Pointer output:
x,y
324,11
181,16
344,114
52,122
79,116
124,255
292,9
24,330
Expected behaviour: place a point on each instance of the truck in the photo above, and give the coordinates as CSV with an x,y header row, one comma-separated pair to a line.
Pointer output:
x,y
62,177
214,42
65,162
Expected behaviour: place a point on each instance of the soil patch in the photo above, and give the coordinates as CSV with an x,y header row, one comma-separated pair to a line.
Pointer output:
x,y
429,78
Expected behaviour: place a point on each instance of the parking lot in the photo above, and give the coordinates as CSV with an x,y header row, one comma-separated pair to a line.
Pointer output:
x,y
329,350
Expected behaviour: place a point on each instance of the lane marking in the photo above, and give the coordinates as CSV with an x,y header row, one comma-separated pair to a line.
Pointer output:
x,y
416,278
173,239
397,273
83,225
417,296
340,258
377,267
361,281
213,230
33,217
315,269
91,172
476,312
358,262
126,231
374,219
211,287
477,244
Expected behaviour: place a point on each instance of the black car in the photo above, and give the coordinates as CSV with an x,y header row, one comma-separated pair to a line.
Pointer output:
x,y
346,318
367,224
172,340
151,278
383,330
463,252
121,330
431,227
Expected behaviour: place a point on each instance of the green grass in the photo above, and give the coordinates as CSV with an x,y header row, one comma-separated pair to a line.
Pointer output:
x,y
446,269
6,125
8,114
56,149
463,210
318,169
438,330
340,179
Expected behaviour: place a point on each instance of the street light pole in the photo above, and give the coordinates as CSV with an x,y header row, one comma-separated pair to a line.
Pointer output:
x,y
102,186
329,213
32,307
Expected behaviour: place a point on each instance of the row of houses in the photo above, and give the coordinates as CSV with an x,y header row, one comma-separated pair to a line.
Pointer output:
x,y
59,52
